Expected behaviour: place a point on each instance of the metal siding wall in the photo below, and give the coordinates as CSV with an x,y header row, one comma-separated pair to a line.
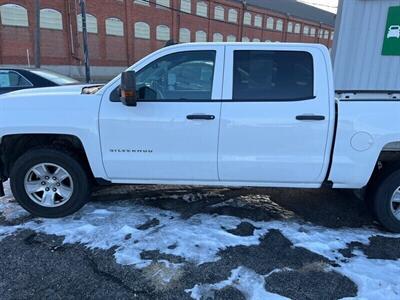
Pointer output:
x,y
358,62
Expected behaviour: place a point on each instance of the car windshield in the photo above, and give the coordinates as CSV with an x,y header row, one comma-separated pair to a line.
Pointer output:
x,y
55,77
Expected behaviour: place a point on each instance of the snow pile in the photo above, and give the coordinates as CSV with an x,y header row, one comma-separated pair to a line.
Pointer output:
x,y
245,280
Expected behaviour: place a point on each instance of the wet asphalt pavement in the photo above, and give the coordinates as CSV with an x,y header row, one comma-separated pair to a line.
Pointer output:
x,y
35,265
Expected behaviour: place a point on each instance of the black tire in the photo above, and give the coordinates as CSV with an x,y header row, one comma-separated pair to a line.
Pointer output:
x,y
62,158
382,205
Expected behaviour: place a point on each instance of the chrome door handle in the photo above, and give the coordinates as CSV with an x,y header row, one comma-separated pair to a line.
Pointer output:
x,y
200,117
310,118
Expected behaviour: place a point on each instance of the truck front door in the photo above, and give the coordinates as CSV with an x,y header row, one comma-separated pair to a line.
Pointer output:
x,y
172,133
276,118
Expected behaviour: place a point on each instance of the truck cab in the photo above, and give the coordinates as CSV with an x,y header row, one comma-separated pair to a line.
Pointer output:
x,y
223,113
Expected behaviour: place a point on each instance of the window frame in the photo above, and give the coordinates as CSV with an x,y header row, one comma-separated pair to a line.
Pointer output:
x,y
258,21
270,23
279,25
186,31
200,5
247,16
91,20
217,51
142,2
52,12
159,32
163,5
107,23
219,9
232,13
135,30
16,86
229,36
185,6
218,34
290,27
294,99
200,32
22,9
297,28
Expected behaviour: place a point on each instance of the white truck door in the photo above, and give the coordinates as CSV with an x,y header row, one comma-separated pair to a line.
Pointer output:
x,y
275,116
172,133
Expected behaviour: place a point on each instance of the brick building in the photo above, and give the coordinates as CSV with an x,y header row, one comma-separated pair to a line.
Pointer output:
x,y
123,31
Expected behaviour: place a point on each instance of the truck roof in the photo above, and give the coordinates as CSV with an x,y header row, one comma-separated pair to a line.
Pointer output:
x,y
247,44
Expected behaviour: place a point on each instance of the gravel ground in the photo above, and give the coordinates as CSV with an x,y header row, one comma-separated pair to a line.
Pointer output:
x,y
249,251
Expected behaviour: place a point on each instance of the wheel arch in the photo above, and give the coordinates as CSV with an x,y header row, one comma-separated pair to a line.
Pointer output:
x,y
15,145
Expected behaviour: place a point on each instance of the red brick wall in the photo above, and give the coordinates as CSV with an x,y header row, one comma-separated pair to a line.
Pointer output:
x,y
65,47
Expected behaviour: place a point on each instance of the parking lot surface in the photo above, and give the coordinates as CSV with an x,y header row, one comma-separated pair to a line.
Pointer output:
x,y
177,242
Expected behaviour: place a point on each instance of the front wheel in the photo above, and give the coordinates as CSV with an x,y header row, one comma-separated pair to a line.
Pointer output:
x,y
49,183
386,202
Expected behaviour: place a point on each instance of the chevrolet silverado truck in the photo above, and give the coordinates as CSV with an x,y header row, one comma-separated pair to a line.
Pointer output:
x,y
222,114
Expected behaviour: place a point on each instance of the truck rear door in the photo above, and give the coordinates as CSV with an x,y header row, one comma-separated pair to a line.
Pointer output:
x,y
275,120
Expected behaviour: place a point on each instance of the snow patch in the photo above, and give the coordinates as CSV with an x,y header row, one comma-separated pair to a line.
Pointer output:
x,y
249,283
8,208
376,278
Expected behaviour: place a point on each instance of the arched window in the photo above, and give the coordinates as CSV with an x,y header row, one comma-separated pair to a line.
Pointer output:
x,y
219,13
268,41
312,32
279,25
162,3
91,23
186,6
290,27
202,9
231,38
297,28
270,23
114,26
258,21
142,2
232,15
51,19
245,39
14,15
201,36
217,37
163,33
247,18
142,30
184,35
256,40
306,30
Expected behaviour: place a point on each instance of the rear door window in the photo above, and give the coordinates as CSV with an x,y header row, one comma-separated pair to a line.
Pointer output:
x,y
12,79
273,75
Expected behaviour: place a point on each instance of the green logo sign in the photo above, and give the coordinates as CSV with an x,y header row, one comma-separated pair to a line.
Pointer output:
x,y
391,43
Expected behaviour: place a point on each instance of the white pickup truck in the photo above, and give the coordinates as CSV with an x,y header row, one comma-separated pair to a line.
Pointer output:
x,y
224,114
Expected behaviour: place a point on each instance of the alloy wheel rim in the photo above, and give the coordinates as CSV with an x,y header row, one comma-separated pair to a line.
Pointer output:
x,y
48,185
395,203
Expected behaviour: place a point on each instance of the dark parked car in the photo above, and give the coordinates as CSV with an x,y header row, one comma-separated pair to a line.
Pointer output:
x,y
13,79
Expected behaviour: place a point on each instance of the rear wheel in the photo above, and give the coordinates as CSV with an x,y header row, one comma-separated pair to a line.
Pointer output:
x,y
49,183
386,201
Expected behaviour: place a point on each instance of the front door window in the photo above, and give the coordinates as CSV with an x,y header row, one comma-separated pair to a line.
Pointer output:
x,y
178,76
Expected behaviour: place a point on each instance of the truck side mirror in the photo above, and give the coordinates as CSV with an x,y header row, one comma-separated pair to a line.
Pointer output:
x,y
128,88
